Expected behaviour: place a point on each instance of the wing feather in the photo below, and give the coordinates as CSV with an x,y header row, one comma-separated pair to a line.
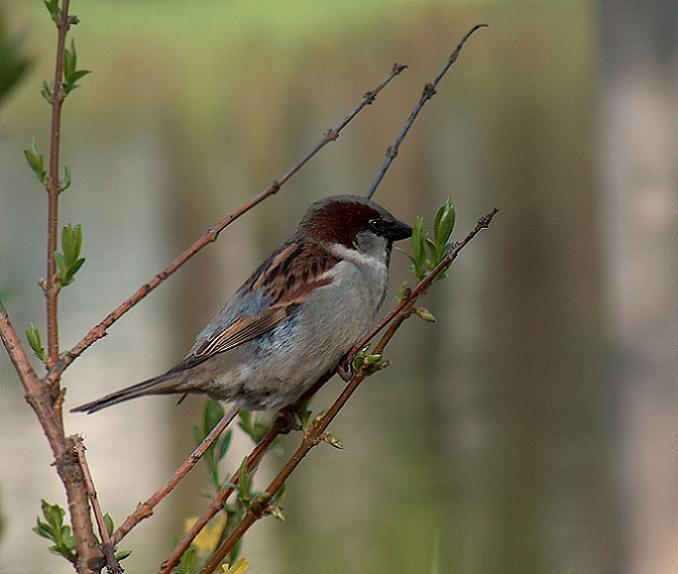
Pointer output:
x,y
285,280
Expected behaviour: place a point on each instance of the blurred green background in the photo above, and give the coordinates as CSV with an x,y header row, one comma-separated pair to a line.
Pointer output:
x,y
532,430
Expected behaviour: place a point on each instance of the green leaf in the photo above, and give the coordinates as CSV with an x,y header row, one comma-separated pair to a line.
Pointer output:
x,y
66,183
418,253
71,242
53,8
70,60
44,530
444,224
46,92
122,555
225,444
35,342
244,482
35,161
108,521
75,76
214,412
61,263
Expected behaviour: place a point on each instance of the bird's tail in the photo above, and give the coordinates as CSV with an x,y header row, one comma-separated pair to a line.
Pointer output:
x,y
165,384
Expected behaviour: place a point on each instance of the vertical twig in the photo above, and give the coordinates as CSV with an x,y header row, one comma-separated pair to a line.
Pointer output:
x,y
112,563
49,284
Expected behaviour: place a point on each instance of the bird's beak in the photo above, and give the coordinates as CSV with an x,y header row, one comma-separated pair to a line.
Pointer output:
x,y
398,230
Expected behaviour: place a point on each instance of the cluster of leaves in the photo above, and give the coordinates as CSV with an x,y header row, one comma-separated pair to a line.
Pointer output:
x,y
53,528
428,250
205,543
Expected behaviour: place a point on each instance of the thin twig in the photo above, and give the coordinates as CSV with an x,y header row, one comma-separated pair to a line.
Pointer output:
x,y
145,509
112,563
49,284
210,235
280,425
427,94
314,435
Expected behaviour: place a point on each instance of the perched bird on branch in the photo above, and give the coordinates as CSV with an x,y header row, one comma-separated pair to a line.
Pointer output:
x,y
294,318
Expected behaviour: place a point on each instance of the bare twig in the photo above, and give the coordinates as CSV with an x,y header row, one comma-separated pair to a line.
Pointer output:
x,y
145,509
210,235
112,563
427,94
313,436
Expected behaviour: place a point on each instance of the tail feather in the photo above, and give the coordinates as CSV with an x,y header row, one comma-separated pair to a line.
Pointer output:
x,y
160,385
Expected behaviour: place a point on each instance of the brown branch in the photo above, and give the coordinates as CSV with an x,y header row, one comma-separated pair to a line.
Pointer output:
x,y
427,94
112,563
315,433
210,235
280,425
145,509
39,398
49,284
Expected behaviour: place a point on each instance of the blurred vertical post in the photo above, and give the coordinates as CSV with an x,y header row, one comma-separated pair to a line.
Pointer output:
x,y
638,173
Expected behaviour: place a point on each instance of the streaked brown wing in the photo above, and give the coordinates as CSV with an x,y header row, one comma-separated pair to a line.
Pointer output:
x,y
286,279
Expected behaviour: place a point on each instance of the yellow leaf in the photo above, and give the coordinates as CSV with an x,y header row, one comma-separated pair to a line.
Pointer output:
x,y
208,538
240,567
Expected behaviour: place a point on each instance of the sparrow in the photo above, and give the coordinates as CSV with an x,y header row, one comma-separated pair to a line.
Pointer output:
x,y
295,318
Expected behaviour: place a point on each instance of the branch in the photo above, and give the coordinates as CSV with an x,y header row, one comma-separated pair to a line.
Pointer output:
x,y
280,425
49,284
40,400
112,563
145,509
210,235
427,94
254,457
315,433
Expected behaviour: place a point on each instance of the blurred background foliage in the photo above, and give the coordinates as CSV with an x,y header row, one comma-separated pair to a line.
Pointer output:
x,y
531,430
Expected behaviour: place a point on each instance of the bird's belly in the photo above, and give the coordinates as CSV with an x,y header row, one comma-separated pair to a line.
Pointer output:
x,y
294,355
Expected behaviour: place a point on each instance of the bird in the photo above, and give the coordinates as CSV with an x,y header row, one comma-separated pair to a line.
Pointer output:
x,y
296,316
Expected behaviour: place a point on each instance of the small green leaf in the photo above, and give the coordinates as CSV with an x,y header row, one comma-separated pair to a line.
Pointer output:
x,y
46,92
444,223
44,530
108,521
214,412
53,8
66,183
35,342
70,57
122,555
36,162
244,482
225,444
75,76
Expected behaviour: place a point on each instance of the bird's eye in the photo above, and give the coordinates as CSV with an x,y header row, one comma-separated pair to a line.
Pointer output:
x,y
375,225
